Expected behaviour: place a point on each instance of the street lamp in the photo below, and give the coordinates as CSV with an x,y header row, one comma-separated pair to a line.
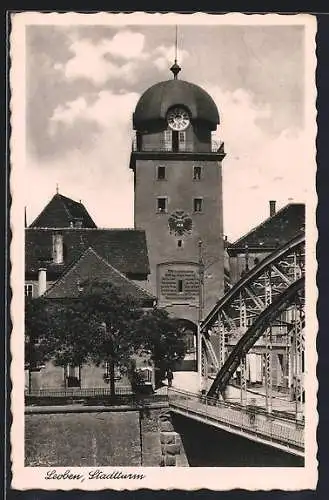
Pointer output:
x,y
202,269
201,281
110,363
200,313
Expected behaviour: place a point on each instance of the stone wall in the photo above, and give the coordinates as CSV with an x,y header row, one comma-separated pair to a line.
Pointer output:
x,y
172,451
147,438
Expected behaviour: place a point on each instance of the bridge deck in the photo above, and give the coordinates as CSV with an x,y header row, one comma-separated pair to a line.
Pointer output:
x,y
189,382
251,422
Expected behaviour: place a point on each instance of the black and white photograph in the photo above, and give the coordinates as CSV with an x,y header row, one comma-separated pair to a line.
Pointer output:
x,y
163,251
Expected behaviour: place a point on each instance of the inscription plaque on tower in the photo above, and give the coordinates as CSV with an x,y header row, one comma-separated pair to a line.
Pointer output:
x,y
178,282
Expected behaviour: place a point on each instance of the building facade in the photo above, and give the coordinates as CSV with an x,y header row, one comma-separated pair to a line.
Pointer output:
x,y
63,249
61,234
277,229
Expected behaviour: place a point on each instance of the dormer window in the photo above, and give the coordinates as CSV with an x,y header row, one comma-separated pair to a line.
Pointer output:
x,y
79,286
58,254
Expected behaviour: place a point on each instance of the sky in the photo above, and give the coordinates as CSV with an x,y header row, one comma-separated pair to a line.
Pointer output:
x,y
83,82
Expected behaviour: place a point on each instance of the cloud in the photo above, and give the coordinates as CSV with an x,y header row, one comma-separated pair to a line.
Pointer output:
x,y
276,164
258,167
99,175
107,109
101,180
163,56
69,112
88,149
125,44
97,61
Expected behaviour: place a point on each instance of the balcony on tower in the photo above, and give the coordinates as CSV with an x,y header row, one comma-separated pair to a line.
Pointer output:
x,y
174,143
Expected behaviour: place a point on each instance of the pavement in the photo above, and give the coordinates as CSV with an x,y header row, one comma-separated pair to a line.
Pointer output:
x,y
186,381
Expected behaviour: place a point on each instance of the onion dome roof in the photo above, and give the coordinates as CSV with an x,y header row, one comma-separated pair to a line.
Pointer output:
x,y
155,102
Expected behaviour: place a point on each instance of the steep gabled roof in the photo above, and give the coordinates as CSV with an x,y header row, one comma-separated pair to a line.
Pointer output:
x,y
124,249
91,266
63,212
284,225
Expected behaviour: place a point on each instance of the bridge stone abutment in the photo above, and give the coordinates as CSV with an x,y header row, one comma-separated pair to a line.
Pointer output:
x,y
172,450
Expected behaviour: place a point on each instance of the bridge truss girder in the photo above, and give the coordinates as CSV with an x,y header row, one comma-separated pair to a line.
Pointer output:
x,y
293,297
240,309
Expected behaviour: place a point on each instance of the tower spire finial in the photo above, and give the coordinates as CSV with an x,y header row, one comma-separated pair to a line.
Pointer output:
x,y
176,44
175,68
57,188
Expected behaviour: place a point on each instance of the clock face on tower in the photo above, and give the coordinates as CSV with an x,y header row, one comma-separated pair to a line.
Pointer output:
x,y
178,118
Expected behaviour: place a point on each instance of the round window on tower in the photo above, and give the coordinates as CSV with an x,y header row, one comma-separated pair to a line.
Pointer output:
x,y
178,118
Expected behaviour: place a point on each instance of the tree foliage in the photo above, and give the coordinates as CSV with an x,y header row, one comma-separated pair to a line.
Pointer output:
x,y
40,341
100,325
162,337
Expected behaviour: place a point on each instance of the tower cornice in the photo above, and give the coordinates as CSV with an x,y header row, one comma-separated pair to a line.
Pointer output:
x,y
174,155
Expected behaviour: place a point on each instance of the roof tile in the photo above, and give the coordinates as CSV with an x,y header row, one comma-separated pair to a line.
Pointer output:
x,y
276,230
124,249
90,266
63,212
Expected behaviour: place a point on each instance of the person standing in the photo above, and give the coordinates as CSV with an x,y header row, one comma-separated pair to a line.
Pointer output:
x,y
170,377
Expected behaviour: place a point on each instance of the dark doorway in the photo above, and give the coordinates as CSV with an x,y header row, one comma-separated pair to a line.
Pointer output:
x,y
175,141
189,363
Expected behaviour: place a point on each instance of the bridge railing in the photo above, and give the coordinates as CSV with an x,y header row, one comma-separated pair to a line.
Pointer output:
x,y
92,396
77,392
248,420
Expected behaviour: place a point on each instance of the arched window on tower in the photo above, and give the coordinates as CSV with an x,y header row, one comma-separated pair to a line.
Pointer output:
x,y
167,145
182,141
174,141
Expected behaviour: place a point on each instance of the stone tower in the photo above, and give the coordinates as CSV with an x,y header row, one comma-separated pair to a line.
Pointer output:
x,y
178,195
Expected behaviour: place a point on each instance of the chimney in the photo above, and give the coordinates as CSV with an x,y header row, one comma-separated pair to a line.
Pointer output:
x,y
272,208
42,281
58,248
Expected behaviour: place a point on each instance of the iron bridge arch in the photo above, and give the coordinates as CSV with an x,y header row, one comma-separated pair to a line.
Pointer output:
x,y
269,296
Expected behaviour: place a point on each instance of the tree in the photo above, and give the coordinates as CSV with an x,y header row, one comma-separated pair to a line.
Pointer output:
x,y
103,325
96,327
163,337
